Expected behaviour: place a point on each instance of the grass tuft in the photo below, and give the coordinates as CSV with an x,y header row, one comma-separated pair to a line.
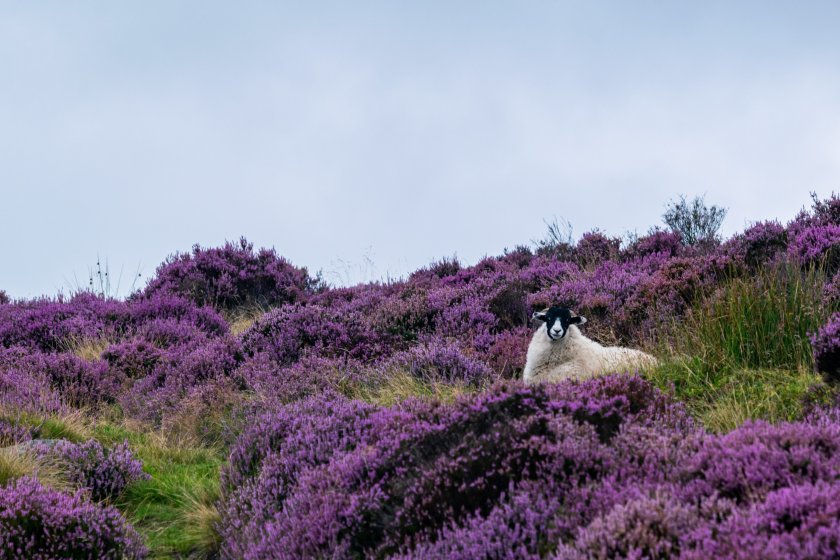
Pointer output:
x,y
89,349
743,352
398,386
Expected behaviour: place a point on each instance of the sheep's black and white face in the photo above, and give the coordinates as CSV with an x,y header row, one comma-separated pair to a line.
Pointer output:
x,y
557,321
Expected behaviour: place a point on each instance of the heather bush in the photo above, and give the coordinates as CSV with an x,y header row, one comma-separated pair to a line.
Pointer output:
x,y
442,361
27,391
798,522
595,247
826,344
757,458
12,433
103,473
287,332
656,242
42,524
311,375
232,276
400,476
817,246
49,325
758,244
4,298
182,368
651,526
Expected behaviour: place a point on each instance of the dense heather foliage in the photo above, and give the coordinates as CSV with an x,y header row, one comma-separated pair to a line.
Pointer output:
x,y
232,276
604,469
41,524
103,473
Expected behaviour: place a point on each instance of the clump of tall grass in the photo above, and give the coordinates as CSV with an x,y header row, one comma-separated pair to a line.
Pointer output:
x,y
743,351
761,321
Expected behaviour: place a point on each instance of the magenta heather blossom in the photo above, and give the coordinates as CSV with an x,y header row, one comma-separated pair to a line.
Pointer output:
x,y
325,478
441,361
37,523
104,473
759,244
657,242
594,248
232,275
826,345
817,245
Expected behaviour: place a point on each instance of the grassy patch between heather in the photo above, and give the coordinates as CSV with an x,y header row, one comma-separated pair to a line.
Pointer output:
x,y
743,352
400,386
723,399
173,510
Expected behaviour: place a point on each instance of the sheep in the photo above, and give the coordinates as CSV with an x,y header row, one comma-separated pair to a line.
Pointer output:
x,y
560,351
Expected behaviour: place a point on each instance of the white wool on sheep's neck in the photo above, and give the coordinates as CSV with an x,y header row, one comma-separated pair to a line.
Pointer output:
x,y
577,357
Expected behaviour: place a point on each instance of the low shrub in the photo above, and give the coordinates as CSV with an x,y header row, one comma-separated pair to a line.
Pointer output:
x,y
38,523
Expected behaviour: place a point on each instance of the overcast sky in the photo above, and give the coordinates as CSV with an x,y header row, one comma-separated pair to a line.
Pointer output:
x,y
367,139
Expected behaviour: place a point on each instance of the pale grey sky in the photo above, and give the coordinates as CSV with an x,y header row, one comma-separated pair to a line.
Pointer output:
x,y
396,132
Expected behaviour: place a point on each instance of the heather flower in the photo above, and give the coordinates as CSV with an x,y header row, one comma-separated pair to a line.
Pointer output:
x,y
651,526
798,522
24,389
287,332
231,276
818,245
595,247
330,480
441,361
12,433
657,242
759,243
757,458
104,473
826,345
37,523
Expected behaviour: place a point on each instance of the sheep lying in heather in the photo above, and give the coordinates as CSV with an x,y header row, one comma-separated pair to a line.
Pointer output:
x,y
559,351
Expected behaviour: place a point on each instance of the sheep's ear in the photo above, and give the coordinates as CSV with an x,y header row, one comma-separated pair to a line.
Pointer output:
x,y
538,316
579,320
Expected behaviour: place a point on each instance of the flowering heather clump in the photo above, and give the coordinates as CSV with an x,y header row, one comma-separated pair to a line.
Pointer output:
x,y
231,276
657,242
171,308
441,361
4,298
506,356
747,463
817,245
759,243
359,481
12,433
49,325
37,523
608,468
104,473
311,375
595,247
647,527
826,344
286,333
798,522
25,389
184,367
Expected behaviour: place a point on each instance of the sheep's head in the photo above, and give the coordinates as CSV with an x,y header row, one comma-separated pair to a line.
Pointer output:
x,y
557,321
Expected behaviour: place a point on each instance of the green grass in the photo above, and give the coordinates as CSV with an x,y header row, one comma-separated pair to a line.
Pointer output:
x,y
723,399
743,352
174,510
